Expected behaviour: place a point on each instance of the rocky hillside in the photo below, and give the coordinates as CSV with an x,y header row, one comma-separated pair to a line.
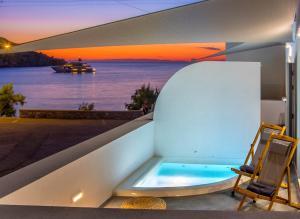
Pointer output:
x,y
25,59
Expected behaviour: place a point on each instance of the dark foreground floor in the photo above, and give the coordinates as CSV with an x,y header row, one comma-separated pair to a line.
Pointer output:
x,y
16,212
24,141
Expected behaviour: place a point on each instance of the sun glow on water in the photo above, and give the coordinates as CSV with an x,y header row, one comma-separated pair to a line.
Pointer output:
x,y
179,174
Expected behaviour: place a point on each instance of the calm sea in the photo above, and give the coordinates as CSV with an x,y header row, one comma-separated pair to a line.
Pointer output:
x,y
109,88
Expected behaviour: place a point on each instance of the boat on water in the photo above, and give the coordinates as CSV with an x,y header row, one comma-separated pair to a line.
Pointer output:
x,y
74,67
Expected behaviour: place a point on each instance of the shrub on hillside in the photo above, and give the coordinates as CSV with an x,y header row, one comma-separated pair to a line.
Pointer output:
x,y
143,98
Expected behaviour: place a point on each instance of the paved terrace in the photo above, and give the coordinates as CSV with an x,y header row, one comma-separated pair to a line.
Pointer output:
x,y
218,201
25,141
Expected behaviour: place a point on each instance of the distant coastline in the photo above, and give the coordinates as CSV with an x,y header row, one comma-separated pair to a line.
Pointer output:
x,y
35,59
28,59
39,59
135,60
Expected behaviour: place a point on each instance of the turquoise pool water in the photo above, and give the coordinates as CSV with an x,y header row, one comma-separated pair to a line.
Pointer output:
x,y
180,174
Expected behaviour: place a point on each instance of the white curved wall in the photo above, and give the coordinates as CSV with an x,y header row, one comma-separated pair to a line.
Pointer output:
x,y
209,111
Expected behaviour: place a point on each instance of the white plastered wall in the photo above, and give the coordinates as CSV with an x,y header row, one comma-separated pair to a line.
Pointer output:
x,y
209,111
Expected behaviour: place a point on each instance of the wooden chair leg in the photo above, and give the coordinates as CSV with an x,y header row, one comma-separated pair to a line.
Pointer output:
x,y
241,203
236,185
295,205
289,185
270,206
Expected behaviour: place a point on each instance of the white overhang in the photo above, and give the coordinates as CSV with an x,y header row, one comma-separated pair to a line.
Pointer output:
x,y
254,21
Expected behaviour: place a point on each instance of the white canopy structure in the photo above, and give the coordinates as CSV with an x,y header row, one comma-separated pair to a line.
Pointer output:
x,y
228,94
241,47
266,21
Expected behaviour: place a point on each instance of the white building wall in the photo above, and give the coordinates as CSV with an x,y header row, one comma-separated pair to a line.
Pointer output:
x,y
273,68
273,111
298,104
209,111
95,175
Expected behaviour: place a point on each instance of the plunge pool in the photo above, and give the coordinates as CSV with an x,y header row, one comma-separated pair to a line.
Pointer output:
x,y
182,174
162,178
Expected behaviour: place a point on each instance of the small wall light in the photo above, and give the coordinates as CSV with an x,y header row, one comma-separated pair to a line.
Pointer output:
x,y
290,52
7,46
77,197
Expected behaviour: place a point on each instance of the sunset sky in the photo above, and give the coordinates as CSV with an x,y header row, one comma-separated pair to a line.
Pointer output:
x,y
27,20
173,52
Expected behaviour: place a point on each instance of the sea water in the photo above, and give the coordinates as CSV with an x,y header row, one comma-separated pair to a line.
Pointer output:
x,y
109,89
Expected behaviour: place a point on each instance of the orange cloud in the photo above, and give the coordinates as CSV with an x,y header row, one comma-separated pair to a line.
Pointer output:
x,y
172,52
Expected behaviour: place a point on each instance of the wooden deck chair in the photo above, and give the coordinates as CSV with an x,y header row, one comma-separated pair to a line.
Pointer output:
x,y
255,153
280,151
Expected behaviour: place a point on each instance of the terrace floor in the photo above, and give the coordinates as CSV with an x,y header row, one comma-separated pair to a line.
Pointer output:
x,y
24,141
218,201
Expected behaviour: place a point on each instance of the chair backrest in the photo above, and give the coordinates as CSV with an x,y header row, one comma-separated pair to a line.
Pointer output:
x,y
265,132
280,150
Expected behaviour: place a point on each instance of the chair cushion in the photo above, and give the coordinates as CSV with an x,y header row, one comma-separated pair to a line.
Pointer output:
x,y
247,168
261,189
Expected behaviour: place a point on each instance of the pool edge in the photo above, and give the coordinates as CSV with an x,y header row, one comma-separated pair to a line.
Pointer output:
x,y
126,188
